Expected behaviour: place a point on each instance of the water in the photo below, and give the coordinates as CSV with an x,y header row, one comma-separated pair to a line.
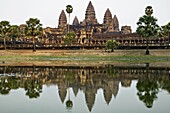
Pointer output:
x,y
84,89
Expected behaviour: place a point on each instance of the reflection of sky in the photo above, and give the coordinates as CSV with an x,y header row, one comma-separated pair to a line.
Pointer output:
x,y
49,102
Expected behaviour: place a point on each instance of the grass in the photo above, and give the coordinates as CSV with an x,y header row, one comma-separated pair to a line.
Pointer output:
x,y
88,58
85,56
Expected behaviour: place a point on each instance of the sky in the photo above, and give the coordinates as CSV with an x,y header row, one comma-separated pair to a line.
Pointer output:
x,y
48,11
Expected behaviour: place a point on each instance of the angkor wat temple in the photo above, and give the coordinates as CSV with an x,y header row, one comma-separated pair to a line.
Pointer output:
x,y
90,34
88,31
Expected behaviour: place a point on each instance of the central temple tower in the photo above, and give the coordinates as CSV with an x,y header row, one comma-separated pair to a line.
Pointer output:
x,y
90,16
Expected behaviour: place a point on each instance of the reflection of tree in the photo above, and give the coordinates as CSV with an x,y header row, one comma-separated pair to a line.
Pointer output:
x,y
165,84
69,103
147,91
4,86
70,77
111,71
33,88
8,83
14,82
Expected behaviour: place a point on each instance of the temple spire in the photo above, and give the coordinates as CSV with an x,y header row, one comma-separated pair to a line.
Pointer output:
x,y
62,20
115,24
75,21
107,21
90,16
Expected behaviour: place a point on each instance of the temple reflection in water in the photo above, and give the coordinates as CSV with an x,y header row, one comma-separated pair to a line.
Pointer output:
x,y
89,79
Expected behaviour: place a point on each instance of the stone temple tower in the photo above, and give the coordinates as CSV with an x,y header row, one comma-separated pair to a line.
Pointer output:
x,y
107,18
108,21
90,16
115,24
62,22
75,21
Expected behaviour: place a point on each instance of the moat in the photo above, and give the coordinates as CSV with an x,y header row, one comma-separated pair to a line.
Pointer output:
x,y
96,89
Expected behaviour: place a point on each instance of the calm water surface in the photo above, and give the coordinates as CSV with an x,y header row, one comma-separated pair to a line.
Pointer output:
x,y
87,89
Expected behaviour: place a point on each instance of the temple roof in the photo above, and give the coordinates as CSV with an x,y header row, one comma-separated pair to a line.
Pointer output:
x,y
115,20
108,13
90,16
76,21
90,7
115,23
107,16
62,19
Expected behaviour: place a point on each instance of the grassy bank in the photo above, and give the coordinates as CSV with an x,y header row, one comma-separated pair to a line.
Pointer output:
x,y
83,56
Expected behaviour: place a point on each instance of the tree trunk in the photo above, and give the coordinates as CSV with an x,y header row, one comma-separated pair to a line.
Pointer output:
x,y
4,43
34,48
147,47
169,41
112,50
69,23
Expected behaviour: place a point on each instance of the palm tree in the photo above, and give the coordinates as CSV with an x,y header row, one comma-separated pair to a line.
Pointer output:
x,y
33,29
4,30
14,33
69,10
33,88
147,26
69,103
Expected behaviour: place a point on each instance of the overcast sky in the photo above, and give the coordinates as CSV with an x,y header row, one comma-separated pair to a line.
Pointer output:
x,y
48,11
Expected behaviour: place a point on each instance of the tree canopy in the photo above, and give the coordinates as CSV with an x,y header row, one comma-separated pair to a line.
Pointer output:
x,y
69,37
69,9
14,31
147,26
112,44
33,27
166,30
4,30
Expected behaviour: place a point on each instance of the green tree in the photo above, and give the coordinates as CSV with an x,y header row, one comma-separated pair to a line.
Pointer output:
x,y
147,26
33,29
69,10
14,32
4,30
69,37
111,44
5,86
165,32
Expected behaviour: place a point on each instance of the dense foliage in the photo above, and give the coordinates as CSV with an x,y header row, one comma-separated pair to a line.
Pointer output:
x,y
69,38
147,26
4,30
111,44
33,28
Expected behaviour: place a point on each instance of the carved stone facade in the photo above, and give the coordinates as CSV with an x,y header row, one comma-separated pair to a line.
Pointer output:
x,y
126,29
